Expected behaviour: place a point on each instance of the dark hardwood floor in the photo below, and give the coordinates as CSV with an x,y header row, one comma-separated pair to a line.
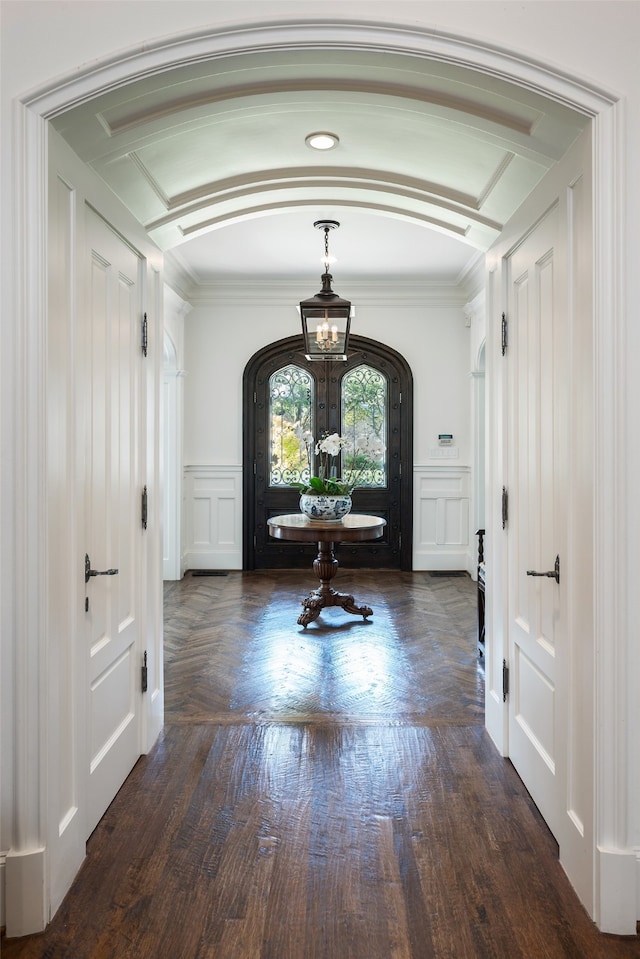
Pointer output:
x,y
327,793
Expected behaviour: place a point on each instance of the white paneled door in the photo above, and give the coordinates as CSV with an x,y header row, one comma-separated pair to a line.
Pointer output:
x,y
113,514
537,618
541,562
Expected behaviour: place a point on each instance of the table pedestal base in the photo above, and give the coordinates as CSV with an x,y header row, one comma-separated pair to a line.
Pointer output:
x,y
325,567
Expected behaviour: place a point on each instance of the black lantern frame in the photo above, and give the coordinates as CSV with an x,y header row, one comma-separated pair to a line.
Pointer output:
x,y
326,317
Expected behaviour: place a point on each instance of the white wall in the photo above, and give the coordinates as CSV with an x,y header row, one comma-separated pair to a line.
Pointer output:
x,y
221,337
540,29
175,310
429,329
476,314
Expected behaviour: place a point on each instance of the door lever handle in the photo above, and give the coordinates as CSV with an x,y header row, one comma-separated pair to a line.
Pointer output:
x,y
88,572
551,573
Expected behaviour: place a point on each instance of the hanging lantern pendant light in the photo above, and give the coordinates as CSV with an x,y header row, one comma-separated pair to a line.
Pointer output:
x,y
326,317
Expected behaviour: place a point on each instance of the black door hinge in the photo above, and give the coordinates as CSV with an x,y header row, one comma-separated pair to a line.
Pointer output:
x,y
144,678
505,507
505,680
145,335
505,332
144,507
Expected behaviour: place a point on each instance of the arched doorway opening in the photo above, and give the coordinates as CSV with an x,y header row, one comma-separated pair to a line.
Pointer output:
x,y
28,362
374,375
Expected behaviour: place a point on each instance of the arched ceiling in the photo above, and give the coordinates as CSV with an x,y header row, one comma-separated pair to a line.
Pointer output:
x,y
211,157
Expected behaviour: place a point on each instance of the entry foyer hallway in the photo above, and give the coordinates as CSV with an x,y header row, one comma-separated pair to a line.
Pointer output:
x,y
327,793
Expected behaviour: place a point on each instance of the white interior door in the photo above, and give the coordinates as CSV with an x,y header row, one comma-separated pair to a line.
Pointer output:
x,y
537,619
542,448
541,435
113,514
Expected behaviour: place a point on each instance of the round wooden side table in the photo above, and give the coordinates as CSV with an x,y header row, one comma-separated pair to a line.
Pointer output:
x,y
353,528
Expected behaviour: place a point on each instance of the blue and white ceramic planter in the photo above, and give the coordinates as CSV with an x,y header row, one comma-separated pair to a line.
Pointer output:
x,y
328,508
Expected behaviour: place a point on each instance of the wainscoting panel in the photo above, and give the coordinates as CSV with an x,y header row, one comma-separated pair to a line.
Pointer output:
x,y
441,517
213,517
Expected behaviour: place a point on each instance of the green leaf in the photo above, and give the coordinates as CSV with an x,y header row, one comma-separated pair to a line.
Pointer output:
x,y
337,488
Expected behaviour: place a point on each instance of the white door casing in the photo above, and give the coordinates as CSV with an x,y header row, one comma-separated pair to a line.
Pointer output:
x,y
172,411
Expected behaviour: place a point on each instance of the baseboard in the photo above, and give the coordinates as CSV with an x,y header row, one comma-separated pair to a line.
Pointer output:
x,y
3,888
619,871
25,905
441,558
212,559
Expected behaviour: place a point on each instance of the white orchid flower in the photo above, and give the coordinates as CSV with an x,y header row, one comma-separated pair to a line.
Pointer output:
x,y
330,444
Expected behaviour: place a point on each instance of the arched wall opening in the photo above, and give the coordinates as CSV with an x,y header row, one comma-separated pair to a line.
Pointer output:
x,y
28,308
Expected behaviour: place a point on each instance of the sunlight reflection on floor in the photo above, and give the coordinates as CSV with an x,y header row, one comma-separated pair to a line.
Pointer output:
x,y
336,666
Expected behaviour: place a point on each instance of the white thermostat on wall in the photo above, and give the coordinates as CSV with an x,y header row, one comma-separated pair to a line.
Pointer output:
x,y
445,439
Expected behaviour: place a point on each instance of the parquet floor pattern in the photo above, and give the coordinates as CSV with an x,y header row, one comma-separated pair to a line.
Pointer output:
x,y
251,662
327,793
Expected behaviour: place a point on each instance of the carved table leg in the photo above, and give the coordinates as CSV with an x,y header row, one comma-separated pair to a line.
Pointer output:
x,y
325,566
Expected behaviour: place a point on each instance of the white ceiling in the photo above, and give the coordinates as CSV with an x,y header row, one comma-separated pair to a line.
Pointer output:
x,y
212,159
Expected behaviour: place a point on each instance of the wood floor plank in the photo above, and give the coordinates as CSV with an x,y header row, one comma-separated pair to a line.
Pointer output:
x,y
327,793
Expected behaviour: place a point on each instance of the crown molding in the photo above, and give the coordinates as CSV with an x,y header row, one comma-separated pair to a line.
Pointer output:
x,y
411,292
177,277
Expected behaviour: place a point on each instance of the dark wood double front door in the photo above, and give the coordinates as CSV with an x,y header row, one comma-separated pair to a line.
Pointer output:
x,y
285,395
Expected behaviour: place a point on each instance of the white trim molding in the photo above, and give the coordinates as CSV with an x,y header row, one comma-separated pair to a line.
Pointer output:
x,y
172,424
3,889
25,864
616,693
617,877
26,892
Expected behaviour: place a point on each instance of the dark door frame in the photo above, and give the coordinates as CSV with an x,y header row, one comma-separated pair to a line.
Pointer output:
x,y
364,349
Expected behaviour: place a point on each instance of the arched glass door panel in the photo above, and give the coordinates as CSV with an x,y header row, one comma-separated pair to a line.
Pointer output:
x,y
365,414
291,403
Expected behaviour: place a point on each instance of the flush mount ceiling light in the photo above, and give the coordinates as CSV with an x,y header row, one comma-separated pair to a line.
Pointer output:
x,y
322,141
326,317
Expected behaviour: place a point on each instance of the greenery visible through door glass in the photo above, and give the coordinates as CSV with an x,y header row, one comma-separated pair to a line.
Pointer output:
x,y
364,426
290,414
